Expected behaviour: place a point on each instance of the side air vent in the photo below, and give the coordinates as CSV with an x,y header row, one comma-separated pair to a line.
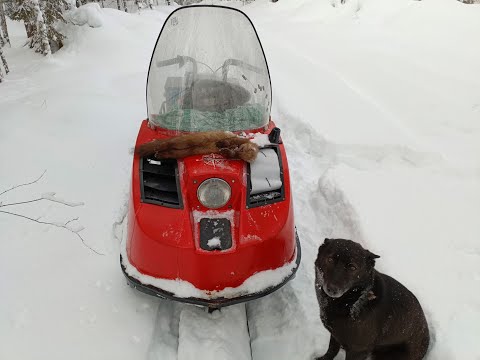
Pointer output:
x,y
159,182
265,178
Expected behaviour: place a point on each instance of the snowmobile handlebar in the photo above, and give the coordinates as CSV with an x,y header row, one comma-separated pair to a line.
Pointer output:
x,y
241,64
181,60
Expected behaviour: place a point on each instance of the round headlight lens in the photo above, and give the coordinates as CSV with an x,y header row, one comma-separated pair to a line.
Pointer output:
x,y
214,193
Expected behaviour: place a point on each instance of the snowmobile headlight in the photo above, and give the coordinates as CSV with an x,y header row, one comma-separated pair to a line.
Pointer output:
x,y
214,193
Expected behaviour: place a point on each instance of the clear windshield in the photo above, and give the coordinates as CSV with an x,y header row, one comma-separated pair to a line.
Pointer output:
x,y
208,72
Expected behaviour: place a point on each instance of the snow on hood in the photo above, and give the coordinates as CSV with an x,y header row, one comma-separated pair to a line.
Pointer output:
x,y
184,289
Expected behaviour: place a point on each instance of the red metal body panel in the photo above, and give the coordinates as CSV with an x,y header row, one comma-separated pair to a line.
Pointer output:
x,y
163,242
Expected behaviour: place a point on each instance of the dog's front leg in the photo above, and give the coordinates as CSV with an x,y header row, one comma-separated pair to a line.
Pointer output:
x,y
333,349
357,355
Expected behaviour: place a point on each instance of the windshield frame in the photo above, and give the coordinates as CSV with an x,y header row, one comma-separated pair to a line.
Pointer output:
x,y
217,7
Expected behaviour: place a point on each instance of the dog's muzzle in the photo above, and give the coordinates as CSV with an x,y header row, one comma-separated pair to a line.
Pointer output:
x,y
333,292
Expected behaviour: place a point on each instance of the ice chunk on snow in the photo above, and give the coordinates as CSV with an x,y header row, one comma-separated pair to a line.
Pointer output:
x,y
90,14
214,242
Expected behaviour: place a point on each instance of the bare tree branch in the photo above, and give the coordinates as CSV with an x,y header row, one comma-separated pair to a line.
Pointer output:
x,y
63,226
21,202
48,197
30,183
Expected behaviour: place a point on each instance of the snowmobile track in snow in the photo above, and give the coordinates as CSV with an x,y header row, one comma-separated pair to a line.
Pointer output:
x,y
269,327
261,329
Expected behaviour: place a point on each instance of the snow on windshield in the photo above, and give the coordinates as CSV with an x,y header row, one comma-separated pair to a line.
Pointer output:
x,y
208,72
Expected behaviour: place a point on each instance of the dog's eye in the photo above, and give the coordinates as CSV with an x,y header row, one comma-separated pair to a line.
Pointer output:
x,y
351,267
330,260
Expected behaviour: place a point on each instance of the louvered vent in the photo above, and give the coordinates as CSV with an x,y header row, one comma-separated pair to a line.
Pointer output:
x,y
265,178
159,181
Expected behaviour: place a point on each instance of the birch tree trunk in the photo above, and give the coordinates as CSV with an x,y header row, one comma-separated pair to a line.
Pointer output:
x,y
4,61
1,72
42,29
5,65
2,41
118,5
125,5
3,22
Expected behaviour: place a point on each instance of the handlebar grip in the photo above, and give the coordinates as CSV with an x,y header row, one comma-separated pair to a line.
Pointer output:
x,y
162,63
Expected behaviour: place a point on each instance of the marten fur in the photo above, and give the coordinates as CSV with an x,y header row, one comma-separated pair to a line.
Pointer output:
x,y
227,144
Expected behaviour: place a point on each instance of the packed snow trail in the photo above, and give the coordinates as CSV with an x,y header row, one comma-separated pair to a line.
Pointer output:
x,y
164,341
187,332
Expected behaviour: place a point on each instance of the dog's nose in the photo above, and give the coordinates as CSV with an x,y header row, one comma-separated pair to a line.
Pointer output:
x,y
333,290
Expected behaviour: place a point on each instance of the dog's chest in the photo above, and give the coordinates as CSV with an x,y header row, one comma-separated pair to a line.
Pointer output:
x,y
350,332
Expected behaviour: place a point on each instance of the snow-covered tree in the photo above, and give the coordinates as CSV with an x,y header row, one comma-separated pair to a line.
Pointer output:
x,y
40,17
41,37
23,10
53,12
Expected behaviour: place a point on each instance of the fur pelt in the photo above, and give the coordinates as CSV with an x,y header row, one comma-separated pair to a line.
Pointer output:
x,y
227,144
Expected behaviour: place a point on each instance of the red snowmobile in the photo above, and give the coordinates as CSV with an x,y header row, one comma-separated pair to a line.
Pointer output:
x,y
208,229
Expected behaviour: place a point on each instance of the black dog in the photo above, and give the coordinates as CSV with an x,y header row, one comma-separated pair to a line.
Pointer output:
x,y
366,312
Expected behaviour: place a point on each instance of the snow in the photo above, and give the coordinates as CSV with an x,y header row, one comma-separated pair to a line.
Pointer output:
x,y
260,139
265,172
214,242
90,14
184,289
379,106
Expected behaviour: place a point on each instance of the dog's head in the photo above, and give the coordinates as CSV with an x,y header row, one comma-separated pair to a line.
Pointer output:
x,y
341,265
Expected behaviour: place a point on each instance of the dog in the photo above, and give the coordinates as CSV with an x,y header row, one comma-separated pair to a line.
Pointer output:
x,y
367,313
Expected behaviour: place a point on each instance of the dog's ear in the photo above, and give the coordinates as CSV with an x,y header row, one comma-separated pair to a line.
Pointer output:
x,y
371,258
323,246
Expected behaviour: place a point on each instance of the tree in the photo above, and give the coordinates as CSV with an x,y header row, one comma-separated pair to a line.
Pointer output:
x,y
40,17
23,10
53,12
4,63
3,23
41,37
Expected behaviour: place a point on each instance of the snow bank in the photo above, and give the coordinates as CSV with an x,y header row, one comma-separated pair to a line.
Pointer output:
x,y
90,14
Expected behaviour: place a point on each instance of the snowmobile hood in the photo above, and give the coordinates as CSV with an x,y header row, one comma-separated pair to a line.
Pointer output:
x,y
208,72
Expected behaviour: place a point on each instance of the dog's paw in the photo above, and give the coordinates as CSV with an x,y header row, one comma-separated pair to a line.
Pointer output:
x,y
324,357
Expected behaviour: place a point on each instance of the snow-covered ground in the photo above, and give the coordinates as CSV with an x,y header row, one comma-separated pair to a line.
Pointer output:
x,y
379,104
